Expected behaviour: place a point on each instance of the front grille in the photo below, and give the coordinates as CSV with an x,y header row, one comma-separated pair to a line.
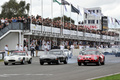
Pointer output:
x,y
11,60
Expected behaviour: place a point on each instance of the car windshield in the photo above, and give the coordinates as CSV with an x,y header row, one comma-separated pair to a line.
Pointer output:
x,y
17,53
55,52
89,52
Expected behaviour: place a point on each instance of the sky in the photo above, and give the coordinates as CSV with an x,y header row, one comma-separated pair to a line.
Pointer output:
x,y
109,8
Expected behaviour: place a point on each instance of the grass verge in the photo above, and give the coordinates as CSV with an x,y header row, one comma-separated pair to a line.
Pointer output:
x,y
113,77
1,60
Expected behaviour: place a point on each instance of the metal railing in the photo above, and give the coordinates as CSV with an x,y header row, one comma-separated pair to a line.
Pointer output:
x,y
11,26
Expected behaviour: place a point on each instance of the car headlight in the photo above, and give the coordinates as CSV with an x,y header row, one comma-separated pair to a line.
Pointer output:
x,y
79,58
95,58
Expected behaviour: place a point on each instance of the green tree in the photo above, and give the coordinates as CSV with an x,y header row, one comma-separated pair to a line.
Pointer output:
x,y
14,9
66,19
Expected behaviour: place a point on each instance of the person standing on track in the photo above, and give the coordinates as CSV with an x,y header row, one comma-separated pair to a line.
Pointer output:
x,y
6,50
32,50
37,48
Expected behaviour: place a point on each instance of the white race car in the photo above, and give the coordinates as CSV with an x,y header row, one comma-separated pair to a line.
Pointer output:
x,y
18,57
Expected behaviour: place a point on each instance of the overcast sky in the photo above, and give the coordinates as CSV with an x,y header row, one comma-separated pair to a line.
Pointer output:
x,y
109,7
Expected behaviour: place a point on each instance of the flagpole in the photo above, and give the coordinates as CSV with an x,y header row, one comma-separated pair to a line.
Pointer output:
x,y
31,13
77,21
61,18
70,19
42,15
51,14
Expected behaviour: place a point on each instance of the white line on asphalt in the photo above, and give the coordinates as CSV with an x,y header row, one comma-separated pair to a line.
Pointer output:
x,y
103,76
9,75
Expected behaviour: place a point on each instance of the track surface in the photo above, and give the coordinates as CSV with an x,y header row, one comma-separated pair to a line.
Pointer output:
x,y
70,71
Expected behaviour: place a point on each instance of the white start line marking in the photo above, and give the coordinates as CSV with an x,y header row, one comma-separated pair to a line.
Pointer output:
x,y
9,75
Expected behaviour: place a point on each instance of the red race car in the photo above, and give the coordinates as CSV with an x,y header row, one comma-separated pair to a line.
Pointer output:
x,y
91,56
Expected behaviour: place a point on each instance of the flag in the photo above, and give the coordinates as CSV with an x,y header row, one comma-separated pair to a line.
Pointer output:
x,y
65,8
64,2
73,9
57,2
79,10
117,21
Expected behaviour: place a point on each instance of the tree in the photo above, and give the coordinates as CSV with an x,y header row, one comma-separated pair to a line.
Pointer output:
x,y
66,19
14,9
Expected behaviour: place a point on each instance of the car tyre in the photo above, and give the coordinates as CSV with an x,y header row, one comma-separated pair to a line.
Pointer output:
x,y
5,63
58,61
65,62
99,63
23,61
103,63
79,63
41,63
30,61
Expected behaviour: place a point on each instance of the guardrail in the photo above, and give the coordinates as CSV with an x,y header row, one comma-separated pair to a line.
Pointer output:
x,y
11,26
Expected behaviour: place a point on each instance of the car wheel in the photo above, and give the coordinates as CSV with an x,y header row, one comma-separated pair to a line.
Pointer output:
x,y
103,63
65,62
79,63
13,63
85,64
58,61
41,63
23,61
99,63
5,63
30,61
49,63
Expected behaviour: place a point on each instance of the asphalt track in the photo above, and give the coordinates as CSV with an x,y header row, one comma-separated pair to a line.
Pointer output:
x,y
70,71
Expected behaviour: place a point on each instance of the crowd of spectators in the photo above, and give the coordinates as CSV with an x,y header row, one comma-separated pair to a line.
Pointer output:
x,y
38,20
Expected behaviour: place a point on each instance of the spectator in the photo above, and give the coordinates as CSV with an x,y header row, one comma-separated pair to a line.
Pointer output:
x,y
21,48
28,23
14,20
2,21
37,48
26,49
17,47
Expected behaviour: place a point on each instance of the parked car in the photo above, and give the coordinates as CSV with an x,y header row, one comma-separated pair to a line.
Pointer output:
x,y
53,56
91,56
18,57
117,53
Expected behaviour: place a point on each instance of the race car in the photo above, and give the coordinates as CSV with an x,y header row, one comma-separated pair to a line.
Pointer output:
x,y
18,57
54,56
91,56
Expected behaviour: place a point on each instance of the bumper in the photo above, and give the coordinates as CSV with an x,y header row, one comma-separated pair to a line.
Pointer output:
x,y
13,61
88,61
48,60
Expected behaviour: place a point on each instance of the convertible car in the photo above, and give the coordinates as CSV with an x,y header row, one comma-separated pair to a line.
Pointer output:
x,y
18,57
53,56
91,56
